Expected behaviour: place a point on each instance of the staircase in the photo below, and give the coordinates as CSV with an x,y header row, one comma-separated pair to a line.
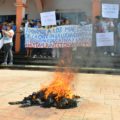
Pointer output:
x,y
79,61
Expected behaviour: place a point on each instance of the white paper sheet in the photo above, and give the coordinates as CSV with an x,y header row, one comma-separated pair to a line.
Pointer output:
x,y
105,39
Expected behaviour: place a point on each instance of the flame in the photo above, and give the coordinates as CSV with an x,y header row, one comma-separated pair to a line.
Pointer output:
x,y
61,85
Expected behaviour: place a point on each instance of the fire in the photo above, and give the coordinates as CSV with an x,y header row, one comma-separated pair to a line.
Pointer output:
x,y
61,85
58,94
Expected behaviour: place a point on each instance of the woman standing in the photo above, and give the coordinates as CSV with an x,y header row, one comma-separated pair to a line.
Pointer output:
x,y
8,43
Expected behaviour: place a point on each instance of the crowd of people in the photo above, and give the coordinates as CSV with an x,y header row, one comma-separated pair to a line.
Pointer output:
x,y
42,52
8,32
104,25
101,25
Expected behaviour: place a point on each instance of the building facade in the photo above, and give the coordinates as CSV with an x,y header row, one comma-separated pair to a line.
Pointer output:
x,y
32,8
8,7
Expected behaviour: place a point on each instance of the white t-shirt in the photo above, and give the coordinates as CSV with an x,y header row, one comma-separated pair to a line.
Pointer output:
x,y
8,39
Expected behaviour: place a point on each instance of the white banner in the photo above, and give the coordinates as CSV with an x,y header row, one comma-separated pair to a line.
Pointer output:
x,y
110,10
59,37
105,39
48,18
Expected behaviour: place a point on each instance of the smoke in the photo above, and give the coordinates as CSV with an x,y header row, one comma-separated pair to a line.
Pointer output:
x,y
91,57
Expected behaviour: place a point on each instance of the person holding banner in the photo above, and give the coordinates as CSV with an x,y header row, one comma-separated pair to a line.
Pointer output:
x,y
108,26
29,50
104,25
67,51
8,43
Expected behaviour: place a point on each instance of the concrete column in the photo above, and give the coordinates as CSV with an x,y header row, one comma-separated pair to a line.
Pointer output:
x,y
20,8
19,16
96,8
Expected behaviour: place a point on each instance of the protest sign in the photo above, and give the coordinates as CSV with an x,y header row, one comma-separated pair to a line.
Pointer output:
x,y
110,10
105,39
59,37
48,18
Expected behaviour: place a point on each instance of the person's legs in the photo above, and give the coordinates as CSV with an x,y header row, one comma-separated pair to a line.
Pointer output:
x,y
112,50
118,48
58,52
10,53
30,52
54,52
27,50
5,54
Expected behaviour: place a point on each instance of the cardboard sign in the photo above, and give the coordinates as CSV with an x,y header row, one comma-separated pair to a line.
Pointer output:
x,y
48,18
105,39
110,10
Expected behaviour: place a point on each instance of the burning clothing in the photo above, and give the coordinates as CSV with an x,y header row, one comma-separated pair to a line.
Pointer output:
x,y
58,94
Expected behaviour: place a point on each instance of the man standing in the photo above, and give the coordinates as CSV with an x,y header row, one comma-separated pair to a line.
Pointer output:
x,y
8,43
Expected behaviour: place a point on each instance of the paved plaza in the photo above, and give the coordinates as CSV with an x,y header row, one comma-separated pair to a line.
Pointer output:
x,y
100,96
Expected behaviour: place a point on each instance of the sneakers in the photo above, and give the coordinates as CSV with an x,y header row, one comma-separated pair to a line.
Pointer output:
x,y
109,54
105,53
10,64
34,56
112,54
4,64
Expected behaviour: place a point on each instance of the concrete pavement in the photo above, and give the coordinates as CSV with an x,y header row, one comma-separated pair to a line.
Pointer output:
x,y
100,96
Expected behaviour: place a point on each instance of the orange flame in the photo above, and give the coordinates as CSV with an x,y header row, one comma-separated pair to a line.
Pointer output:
x,y
61,85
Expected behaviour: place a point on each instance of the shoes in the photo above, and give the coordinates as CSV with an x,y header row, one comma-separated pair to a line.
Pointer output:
x,y
44,56
10,64
41,56
4,64
34,56
105,53
112,54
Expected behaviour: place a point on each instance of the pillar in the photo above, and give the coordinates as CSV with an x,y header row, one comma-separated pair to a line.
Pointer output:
x,y
20,6
96,8
19,17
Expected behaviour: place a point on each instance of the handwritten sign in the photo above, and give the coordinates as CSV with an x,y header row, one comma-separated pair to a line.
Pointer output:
x,y
105,39
110,10
59,37
48,18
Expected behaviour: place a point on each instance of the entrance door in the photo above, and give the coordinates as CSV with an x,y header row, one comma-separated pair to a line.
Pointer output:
x,y
7,18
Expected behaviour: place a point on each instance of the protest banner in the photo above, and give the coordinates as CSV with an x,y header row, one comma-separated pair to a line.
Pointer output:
x,y
48,18
105,39
59,37
110,10
1,43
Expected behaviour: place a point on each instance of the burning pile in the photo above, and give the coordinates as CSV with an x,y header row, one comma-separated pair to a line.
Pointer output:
x,y
58,94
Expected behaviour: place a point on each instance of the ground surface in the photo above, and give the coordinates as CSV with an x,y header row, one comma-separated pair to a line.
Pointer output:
x,y
101,96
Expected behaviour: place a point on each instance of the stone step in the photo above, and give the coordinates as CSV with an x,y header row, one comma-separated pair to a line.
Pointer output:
x,y
81,61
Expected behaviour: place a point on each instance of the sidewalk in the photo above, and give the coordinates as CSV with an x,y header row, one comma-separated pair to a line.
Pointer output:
x,y
100,96
102,70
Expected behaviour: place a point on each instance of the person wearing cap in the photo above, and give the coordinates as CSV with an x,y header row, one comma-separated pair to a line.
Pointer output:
x,y
8,43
